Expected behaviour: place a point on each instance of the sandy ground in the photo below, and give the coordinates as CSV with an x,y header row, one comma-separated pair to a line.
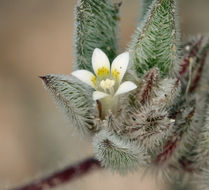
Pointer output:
x,y
35,138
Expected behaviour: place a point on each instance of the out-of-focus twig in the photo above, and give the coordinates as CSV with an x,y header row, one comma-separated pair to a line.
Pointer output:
x,y
63,176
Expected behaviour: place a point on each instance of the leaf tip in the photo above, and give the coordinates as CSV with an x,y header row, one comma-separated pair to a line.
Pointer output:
x,y
45,79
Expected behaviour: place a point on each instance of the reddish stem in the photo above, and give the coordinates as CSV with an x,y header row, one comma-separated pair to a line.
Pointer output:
x,y
169,148
151,80
63,176
199,72
171,145
193,53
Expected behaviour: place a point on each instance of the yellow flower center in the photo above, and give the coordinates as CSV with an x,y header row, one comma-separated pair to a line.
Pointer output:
x,y
116,74
103,72
94,80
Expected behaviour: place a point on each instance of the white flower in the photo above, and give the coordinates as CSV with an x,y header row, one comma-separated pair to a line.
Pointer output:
x,y
106,80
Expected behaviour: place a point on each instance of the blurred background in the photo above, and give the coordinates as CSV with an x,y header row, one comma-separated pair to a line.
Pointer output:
x,y
35,137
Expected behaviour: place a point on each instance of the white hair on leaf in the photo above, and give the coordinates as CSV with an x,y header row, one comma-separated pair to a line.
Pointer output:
x,y
116,153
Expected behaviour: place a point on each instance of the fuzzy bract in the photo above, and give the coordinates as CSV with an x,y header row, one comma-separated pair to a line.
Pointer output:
x,y
117,153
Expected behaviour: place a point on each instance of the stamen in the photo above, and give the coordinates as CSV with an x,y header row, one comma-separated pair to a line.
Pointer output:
x,y
107,84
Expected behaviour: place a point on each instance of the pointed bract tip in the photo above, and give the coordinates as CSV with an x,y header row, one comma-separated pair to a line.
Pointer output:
x,y
118,5
44,79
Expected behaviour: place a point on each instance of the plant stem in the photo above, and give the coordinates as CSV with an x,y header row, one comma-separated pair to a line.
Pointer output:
x,y
63,176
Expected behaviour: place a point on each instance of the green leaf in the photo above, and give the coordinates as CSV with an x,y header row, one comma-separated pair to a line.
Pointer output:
x,y
74,98
95,27
155,42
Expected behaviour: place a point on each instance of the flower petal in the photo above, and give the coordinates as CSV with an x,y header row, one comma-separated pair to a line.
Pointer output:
x,y
99,95
125,87
86,77
100,63
119,66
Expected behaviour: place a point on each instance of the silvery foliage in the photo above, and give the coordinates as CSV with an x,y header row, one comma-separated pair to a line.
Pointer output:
x,y
163,125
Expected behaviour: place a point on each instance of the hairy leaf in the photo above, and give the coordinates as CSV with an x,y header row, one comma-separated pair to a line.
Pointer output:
x,y
190,123
95,27
116,153
149,125
74,98
194,62
155,42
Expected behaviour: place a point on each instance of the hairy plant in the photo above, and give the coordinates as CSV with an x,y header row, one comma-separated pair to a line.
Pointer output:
x,y
145,108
